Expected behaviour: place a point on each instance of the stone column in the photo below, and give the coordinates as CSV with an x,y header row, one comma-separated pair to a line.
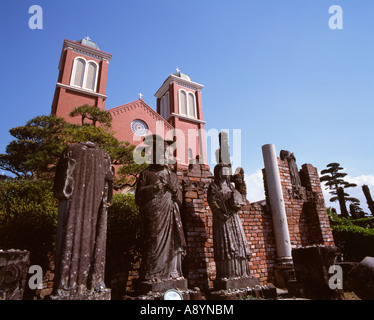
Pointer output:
x,y
278,211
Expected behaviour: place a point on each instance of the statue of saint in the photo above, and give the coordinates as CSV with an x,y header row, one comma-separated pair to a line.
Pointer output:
x,y
231,251
83,185
294,171
159,197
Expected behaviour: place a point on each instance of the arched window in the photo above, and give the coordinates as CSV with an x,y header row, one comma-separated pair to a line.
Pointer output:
x,y
187,103
183,102
78,72
84,74
91,76
191,105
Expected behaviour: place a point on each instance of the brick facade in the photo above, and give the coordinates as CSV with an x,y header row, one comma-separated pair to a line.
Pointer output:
x,y
307,219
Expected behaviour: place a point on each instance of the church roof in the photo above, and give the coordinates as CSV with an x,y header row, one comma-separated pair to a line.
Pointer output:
x,y
139,104
182,75
88,42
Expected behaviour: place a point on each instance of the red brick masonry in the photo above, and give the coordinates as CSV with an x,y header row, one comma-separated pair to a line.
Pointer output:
x,y
307,221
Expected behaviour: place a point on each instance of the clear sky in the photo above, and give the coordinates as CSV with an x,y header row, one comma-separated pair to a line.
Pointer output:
x,y
273,69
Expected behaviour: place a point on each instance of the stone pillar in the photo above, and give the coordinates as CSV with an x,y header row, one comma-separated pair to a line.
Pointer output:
x,y
283,265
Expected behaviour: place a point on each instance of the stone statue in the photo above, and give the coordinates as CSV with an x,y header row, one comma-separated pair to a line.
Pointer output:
x,y
231,251
294,171
159,197
239,182
83,185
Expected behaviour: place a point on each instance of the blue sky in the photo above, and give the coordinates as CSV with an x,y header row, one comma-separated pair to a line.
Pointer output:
x,y
273,69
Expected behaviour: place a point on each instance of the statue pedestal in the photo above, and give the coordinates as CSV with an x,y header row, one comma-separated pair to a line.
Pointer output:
x,y
143,287
86,295
235,283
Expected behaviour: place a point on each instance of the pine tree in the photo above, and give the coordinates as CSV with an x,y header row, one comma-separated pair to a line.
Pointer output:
x,y
37,146
334,181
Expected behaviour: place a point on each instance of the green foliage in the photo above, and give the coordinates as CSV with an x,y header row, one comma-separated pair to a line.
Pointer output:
x,y
354,237
124,226
28,220
334,181
28,210
93,114
38,145
28,217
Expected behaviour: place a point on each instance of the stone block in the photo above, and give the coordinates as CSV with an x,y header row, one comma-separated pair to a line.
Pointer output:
x,y
235,283
86,295
361,279
311,265
143,287
14,266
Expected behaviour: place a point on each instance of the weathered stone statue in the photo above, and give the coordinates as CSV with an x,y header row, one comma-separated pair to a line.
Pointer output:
x,y
83,185
231,251
159,197
294,171
240,185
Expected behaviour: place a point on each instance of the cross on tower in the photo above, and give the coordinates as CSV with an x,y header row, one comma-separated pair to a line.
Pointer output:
x,y
140,95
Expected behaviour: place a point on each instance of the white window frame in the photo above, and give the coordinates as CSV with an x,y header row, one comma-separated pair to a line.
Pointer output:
x,y
187,103
84,82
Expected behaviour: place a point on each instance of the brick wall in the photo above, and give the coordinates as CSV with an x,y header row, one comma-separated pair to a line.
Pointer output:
x,y
306,215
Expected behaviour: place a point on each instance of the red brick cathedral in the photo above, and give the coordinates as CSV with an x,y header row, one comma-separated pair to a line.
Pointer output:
x,y
83,72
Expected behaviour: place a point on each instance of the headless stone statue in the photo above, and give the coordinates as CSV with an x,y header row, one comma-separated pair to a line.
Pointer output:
x,y
83,186
294,171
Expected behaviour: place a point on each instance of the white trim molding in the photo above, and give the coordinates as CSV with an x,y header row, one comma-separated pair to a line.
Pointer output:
x,y
78,89
185,118
172,78
83,50
90,52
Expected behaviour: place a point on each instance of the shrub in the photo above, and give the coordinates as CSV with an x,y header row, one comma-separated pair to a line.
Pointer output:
x,y
28,221
354,237
124,225
28,217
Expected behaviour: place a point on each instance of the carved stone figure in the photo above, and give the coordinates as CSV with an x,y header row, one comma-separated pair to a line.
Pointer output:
x,y
294,171
83,185
240,185
159,197
231,251
14,266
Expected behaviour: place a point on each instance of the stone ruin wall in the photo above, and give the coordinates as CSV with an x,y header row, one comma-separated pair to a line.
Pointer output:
x,y
306,216
307,219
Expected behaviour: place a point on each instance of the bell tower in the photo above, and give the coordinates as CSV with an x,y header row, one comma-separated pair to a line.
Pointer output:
x,y
179,102
82,79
